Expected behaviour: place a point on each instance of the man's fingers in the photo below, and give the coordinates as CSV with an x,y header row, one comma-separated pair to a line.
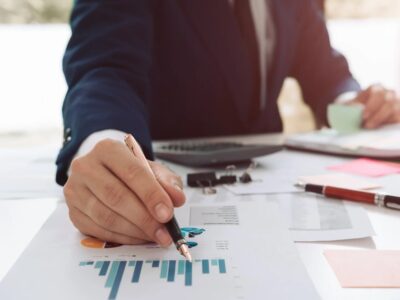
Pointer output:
x,y
87,203
85,225
171,182
382,116
375,100
362,96
135,173
117,197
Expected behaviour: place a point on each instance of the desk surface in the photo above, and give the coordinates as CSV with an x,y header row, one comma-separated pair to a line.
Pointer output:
x,y
20,220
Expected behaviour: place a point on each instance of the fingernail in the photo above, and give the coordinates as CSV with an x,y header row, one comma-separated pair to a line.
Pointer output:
x,y
162,236
178,187
163,212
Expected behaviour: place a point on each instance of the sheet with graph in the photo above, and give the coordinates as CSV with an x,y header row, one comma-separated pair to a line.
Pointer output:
x,y
241,251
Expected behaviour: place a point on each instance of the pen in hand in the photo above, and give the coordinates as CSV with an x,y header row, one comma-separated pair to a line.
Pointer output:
x,y
172,225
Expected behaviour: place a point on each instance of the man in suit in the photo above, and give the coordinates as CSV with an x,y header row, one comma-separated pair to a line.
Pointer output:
x,y
183,68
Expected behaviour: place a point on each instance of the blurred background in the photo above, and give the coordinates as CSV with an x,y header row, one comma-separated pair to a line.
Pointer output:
x,y
34,33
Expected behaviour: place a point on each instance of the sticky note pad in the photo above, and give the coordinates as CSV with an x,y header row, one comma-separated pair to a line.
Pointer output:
x,y
365,268
340,181
367,167
345,118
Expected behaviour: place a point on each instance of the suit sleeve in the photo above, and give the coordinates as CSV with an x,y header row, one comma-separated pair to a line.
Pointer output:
x,y
323,73
106,66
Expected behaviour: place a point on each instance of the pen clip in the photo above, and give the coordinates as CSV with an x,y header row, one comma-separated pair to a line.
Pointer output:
x,y
392,202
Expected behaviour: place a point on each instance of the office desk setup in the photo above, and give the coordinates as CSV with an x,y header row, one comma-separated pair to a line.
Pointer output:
x,y
21,219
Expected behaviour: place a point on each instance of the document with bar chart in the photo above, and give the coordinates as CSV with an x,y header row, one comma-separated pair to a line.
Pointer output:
x,y
240,251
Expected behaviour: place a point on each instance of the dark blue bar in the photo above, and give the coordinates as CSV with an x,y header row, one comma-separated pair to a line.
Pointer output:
x,y
104,268
90,262
117,281
222,267
188,273
171,270
155,263
205,266
138,269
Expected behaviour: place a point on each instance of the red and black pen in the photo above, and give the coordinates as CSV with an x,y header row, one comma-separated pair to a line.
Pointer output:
x,y
378,199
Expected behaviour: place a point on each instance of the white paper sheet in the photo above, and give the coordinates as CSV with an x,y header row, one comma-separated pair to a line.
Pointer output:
x,y
266,182
250,258
28,173
315,218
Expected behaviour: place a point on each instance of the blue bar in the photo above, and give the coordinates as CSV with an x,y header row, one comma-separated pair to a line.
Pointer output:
x,y
117,280
89,262
181,267
104,268
214,262
205,266
131,263
136,273
112,274
155,264
164,267
222,267
188,274
98,264
171,271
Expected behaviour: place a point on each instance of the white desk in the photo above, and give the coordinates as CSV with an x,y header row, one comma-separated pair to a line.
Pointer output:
x,y
21,219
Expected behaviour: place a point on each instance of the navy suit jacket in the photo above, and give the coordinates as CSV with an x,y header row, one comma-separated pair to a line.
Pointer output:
x,y
163,69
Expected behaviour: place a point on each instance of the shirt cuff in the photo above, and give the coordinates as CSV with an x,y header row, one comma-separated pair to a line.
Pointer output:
x,y
91,141
346,97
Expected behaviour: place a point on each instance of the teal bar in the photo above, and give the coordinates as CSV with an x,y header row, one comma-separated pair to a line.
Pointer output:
x,y
112,274
138,270
171,271
205,266
98,264
164,269
104,268
82,263
222,267
188,273
131,263
197,260
181,267
214,262
117,281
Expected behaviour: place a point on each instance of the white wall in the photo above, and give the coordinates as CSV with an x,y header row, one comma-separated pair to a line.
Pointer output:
x,y
32,86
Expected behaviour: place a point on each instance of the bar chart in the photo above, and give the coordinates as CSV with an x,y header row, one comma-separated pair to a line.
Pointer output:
x,y
169,271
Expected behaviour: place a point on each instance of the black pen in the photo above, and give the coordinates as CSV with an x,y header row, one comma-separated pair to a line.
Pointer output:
x,y
172,225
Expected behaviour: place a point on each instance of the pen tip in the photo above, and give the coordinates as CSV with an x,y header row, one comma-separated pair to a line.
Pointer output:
x,y
184,250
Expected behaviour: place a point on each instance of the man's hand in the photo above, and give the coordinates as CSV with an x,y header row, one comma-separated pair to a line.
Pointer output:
x,y
113,196
382,106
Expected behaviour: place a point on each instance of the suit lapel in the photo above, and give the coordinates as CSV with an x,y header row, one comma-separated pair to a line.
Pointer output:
x,y
216,26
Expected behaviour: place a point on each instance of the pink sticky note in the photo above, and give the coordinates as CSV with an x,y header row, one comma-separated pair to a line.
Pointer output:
x,y
367,167
341,181
365,268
